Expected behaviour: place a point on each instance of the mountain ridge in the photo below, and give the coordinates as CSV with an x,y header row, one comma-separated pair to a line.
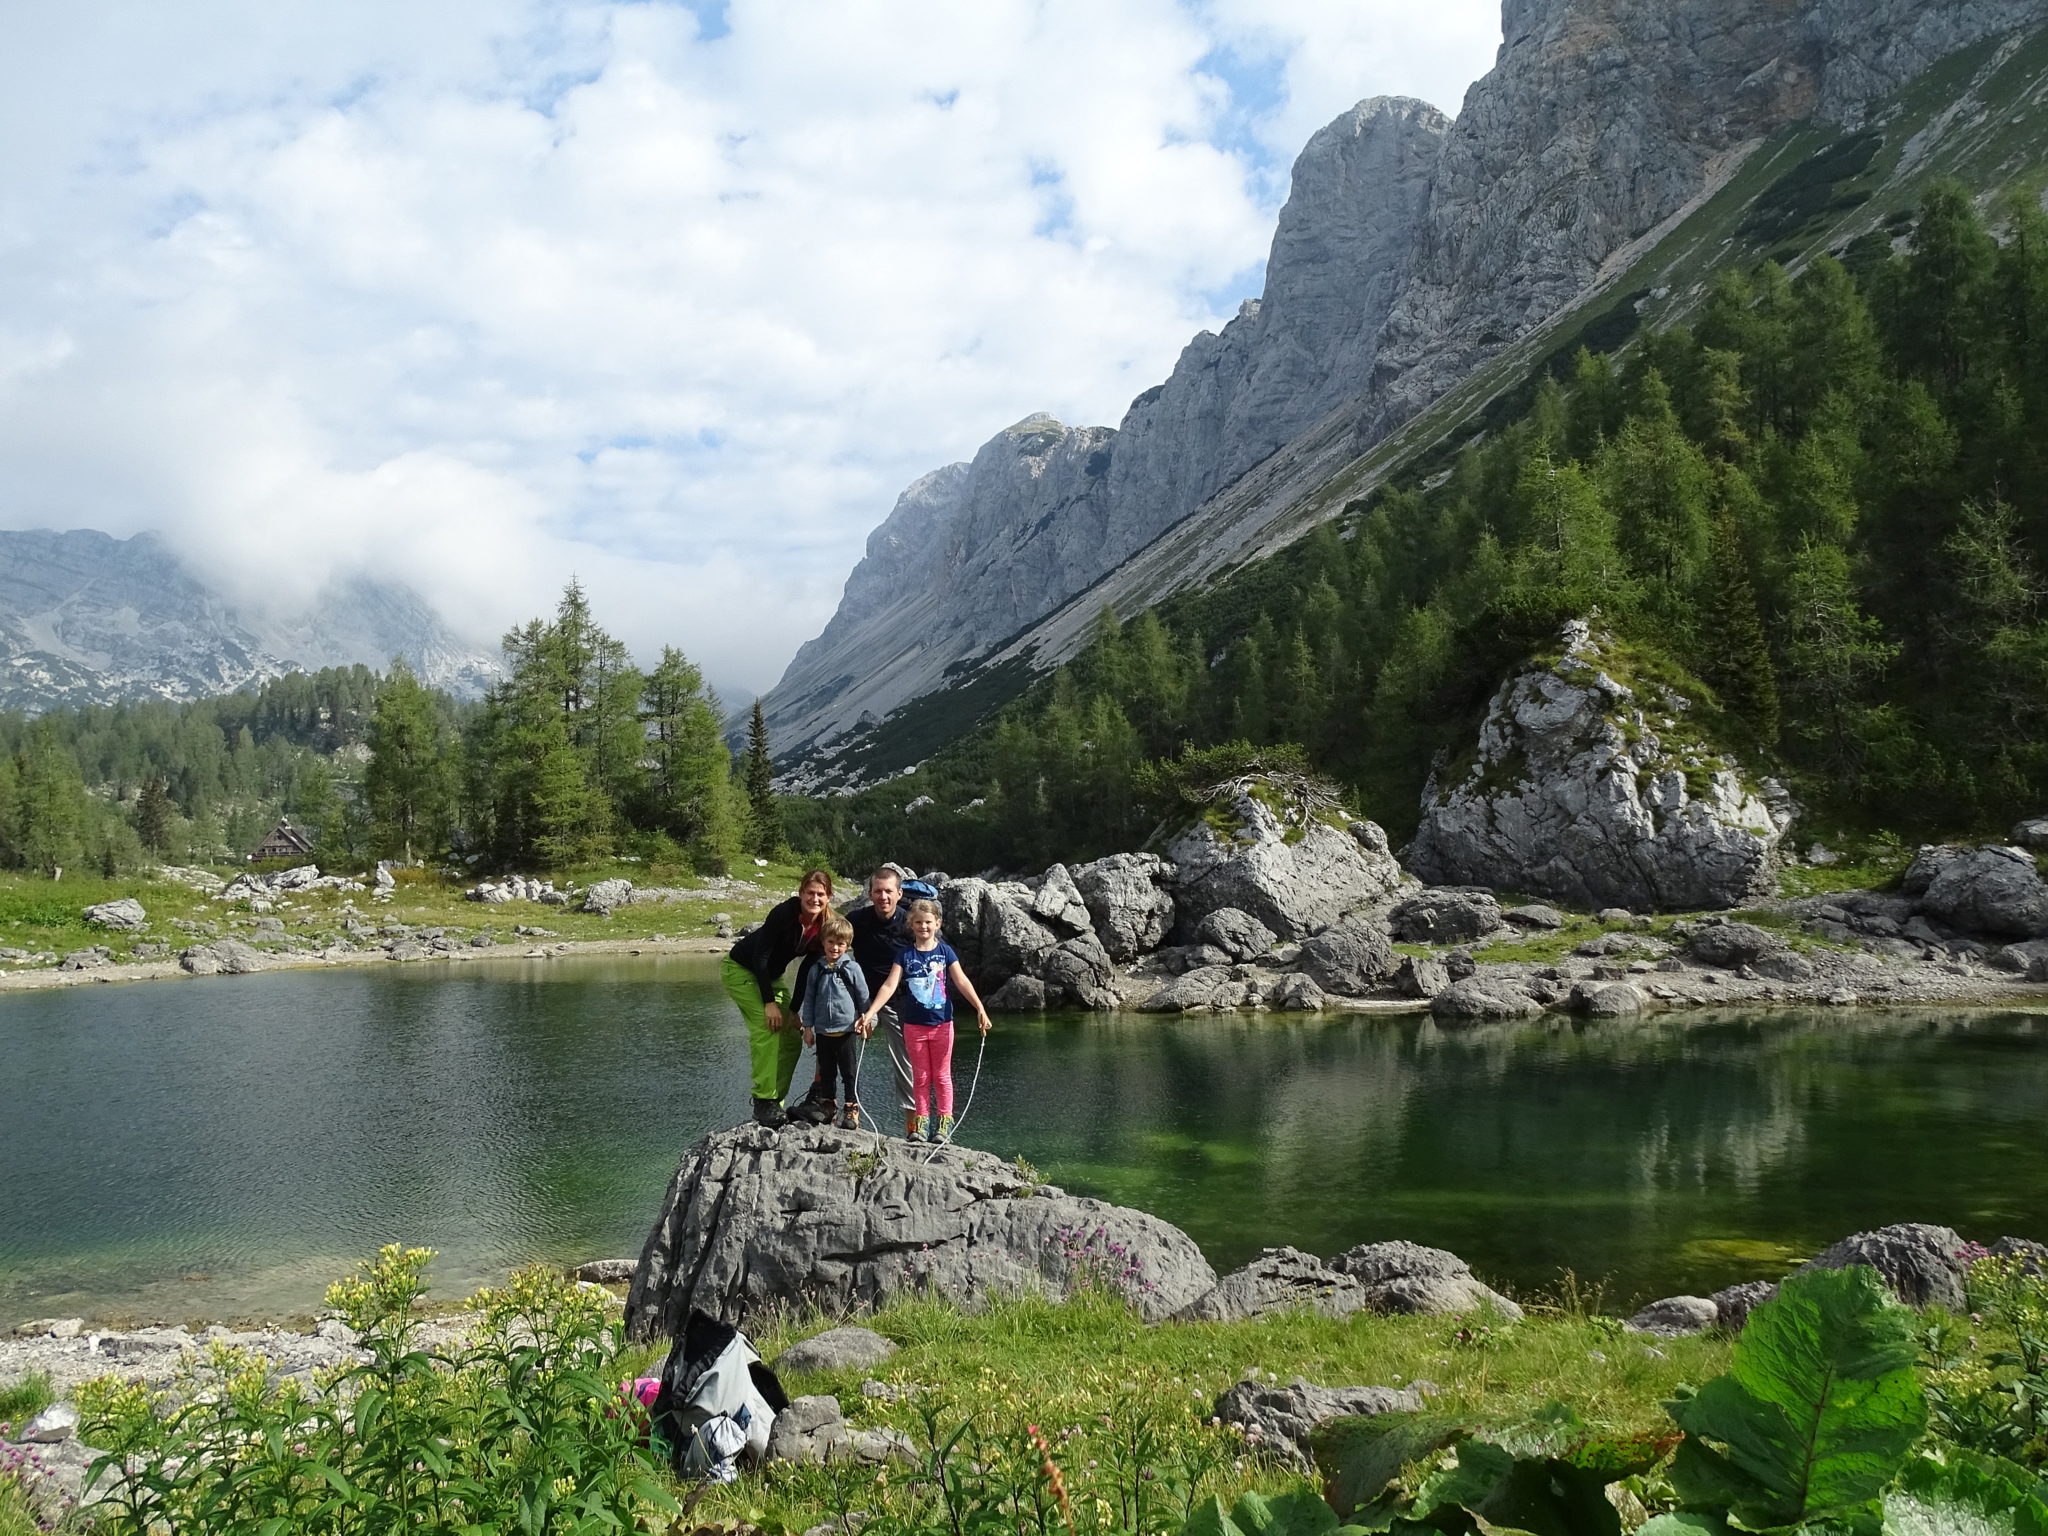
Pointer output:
x,y
1586,119
86,618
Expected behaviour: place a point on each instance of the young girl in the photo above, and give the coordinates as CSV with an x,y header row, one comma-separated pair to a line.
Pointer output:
x,y
927,971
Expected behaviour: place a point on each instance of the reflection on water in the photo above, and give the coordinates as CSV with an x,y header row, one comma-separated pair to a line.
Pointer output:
x,y
224,1147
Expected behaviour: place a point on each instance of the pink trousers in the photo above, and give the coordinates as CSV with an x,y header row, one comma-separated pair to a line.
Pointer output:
x,y
930,1048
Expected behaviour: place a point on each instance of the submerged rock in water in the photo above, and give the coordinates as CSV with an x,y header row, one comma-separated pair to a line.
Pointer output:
x,y
757,1220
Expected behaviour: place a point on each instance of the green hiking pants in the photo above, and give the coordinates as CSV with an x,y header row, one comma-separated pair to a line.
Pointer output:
x,y
773,1053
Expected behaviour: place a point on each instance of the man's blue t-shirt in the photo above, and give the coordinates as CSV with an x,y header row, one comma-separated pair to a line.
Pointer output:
x,y
924,997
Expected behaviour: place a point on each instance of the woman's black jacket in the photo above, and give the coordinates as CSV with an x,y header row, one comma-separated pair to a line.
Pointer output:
x,y
767,951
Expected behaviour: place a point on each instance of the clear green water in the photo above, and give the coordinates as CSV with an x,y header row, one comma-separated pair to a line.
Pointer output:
x,y
223,1148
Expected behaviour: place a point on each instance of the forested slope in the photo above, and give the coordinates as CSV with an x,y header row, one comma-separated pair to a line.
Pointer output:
x,y
1822,507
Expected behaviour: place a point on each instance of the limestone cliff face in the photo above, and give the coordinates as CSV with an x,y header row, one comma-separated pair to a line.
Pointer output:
x,y
1411,250
974,552
1601,119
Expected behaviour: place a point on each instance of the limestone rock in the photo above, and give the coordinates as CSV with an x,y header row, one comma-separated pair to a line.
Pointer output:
x,y
1278,1280
1534,916
224,956
1676,1316
2033,1256
126,913
1587,788
1421,977
1349,958
606,896
1296,876
1730,945
813,1430
847,1347
1479,999
1409,1278
86,959
1209,988
1612,1000
1296,994
1994,891
1020,994
758,1220
2031,834
606,1271
1127,902
1238,934
1923,1264
1446,917
2021,957
1281,1420
1058,904
54,1425
1733,1304
1078,970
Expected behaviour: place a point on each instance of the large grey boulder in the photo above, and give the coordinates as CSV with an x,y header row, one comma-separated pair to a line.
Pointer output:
x,y
1446,917
125,914
1593,790
847,1347
1730,945
2031,834
1020,994
1279,1280
1282,1420
1734,1303
1349,958
1408,1277
1057,902
1209,988
1924,1265
1296,993
1127,902
1238,934
229,957
1421,977
757,1221
1676,1316
1079,971
607,896
1289,868
1995,891
1482,999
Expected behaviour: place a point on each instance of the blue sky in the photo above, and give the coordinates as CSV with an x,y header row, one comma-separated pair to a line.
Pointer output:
x,y
675,297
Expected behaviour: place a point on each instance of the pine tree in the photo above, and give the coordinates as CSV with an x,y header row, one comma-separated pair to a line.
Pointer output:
x,y
49,804
765,831
406,779
153,813
1735,654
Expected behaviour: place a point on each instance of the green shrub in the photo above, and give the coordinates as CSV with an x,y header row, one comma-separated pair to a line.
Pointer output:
x,y
521,1426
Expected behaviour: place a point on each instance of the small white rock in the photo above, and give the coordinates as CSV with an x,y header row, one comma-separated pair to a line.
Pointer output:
x,y
54,1425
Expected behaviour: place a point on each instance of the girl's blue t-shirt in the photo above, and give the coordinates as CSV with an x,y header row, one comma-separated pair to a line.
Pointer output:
x,y
924,997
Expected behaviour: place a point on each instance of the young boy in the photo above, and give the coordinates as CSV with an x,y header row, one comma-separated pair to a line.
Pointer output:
x,y
925,976
835,993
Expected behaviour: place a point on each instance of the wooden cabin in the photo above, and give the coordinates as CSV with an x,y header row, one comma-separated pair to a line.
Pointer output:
x,y
284,842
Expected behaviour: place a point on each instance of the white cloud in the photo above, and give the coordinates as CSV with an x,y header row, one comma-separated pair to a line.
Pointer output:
x,y
487,294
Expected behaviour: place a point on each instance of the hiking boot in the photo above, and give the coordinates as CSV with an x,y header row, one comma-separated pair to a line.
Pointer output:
x,y
850,1120
924,1129
945,1128
910,1125
768,1112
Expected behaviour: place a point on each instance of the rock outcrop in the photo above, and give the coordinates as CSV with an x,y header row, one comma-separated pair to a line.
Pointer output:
x,y
757,1220
1281,1420
1393,1277
1283,863
1592,790
1128,902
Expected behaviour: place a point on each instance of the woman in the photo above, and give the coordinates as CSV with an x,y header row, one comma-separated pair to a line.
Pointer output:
x,y
753,980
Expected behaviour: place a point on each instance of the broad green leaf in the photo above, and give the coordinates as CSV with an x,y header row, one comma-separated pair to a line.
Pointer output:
x,y
1299,1513
1817,1410
1359,1456
1965,1496
1209,1519
1685,1524
1539,1494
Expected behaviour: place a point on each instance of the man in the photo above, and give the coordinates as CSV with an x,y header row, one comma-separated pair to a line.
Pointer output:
x,y
878,933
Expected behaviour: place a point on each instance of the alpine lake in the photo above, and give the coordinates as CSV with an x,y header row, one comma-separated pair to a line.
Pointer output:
x,y
222,1149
